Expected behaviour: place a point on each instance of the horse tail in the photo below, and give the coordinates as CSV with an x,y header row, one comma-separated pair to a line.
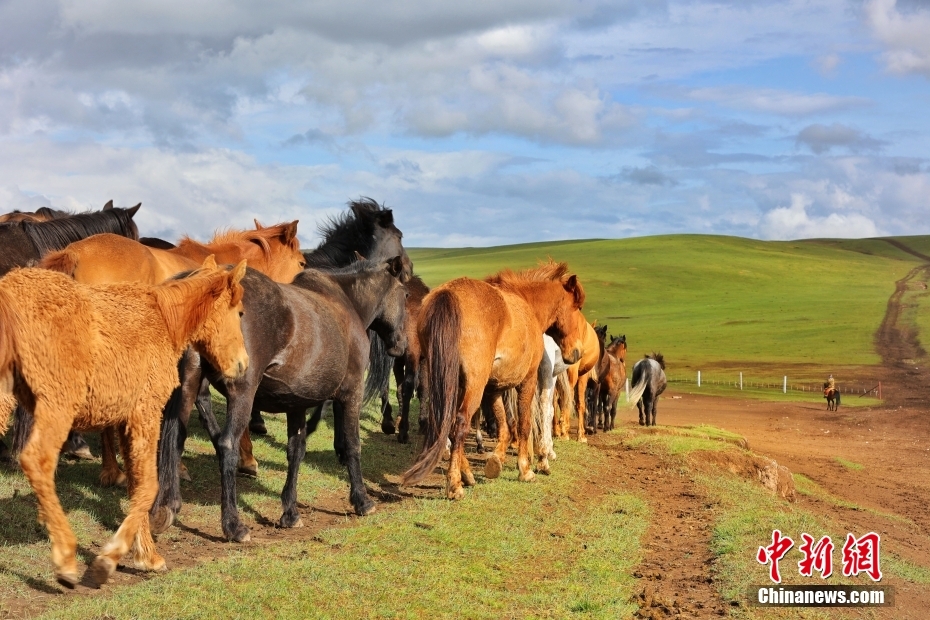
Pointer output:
x,y
837,394
170,445
64,261
563,390
442,320
9,327
637,391
537,428
380,365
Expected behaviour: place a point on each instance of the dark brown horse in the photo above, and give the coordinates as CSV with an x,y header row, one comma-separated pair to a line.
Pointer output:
x,y
611,377
479,339
307,343
367,229
406,369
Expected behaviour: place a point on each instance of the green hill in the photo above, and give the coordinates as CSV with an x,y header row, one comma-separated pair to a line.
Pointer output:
x,y
714,301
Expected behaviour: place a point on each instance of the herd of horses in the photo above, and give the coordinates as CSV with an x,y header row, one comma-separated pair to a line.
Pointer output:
x,y
104,331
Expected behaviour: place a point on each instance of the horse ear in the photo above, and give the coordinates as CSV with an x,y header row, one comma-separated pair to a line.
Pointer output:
x,y
108,206
132,210
357,255
209,262
290,231
258,225
238,273
395,266
573,286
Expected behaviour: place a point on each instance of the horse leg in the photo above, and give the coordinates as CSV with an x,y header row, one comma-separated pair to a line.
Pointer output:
x,y
387,415
548,415
349,410
495,462
39,459
572,374
526,391
110,473
248,465
139,449
406,385
227,444
479,438
296,449
653,401
257,423
339,434
581,405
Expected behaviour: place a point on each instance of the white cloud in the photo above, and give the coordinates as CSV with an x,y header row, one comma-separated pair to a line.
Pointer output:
x,y
794,222
905,36
772,101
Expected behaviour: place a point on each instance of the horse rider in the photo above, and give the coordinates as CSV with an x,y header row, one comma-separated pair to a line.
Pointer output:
x,y
829,387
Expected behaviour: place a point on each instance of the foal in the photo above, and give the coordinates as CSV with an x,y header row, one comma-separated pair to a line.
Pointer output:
x,y
97,356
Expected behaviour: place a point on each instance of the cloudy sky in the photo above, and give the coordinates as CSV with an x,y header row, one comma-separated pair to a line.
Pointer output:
x,y
480,123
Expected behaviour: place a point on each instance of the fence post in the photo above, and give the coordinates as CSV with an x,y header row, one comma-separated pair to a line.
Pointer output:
x,y
784,386
740,381
699,378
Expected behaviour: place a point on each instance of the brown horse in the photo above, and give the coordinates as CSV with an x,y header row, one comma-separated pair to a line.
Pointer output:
x,y
90,357
42,214
611,377
579,374
100,259
479,339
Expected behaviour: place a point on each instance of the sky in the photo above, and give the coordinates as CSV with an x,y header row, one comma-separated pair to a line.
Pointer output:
x,y
479,123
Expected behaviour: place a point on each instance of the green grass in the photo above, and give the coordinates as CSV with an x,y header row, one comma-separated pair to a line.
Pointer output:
x,y
721,301
806,486
849,464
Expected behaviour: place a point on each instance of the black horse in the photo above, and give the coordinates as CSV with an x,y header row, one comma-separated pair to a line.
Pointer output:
x,y
24,243
308,342
832,396
648,383
366,230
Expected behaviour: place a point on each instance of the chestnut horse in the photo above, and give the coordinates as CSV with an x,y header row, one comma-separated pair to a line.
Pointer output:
x,y
90,357
479,339
308,343
579,374
24,242
101,259
611,377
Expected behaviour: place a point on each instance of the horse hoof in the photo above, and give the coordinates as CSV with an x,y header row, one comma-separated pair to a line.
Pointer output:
x,y
528,477
468,479
110,479
552,456
258,428
83,454
250,471
582,440
241,535
403,437
289,522
366,509
161,520
183,473
388,428
457,493
543,469
99,571
156,564
68,579
492,467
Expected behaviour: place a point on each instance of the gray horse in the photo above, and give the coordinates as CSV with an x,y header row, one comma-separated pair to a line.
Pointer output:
x,y
648,382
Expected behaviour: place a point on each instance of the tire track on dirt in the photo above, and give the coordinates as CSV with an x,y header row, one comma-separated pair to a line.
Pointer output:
x,y
676,574
898,343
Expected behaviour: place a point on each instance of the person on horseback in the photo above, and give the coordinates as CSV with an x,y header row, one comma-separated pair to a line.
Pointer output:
x,y
830,385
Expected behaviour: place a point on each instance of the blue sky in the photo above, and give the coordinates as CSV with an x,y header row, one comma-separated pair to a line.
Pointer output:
x,y
481,124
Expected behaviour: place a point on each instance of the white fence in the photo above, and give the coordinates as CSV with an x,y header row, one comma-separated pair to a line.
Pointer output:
x,y
740,382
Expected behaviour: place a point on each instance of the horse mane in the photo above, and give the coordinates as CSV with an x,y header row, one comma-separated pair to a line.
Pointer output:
x,y
186,300
344,234
259,237
417,287
544,272
58,233
657,357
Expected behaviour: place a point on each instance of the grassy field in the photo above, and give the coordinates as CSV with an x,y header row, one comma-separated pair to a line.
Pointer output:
x,y
719,302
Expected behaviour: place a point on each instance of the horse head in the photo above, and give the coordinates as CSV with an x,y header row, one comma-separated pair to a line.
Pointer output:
x,y
570,326
392,311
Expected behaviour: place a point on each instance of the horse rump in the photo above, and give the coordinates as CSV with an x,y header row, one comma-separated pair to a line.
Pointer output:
x,y
442,321
62,261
